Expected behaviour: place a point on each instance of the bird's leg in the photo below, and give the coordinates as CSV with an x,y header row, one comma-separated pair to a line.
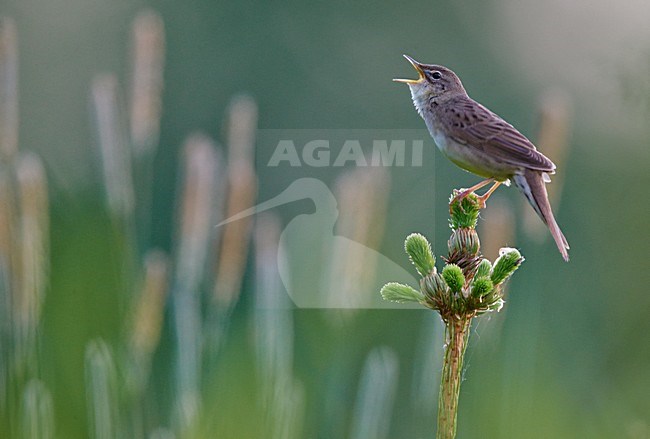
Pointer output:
x,y
483,198
465,192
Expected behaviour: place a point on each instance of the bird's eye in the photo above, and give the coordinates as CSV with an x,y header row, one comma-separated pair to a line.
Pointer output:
x,y
436,75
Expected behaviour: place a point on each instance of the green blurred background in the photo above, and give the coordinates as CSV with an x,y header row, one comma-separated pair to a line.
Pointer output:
x,y
567,357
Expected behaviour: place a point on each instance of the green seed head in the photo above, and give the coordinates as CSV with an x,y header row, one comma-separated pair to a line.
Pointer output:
x,y
464,213
433,286
464,240
483,268
481,286
419,251
454,278
395,292
508,261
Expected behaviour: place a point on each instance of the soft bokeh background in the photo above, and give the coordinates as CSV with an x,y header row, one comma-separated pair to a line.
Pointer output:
x,y
567,357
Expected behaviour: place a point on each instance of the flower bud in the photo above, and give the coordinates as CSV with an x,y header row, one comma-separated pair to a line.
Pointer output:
x,y
433,286
464,241
481,286
464,213
419,251
454,278
395,292
508,261
484,268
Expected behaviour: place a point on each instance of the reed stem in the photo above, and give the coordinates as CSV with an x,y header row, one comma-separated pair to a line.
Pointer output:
x,y
457,333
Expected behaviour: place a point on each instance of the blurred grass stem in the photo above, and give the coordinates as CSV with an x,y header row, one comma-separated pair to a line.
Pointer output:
x,y
457,333
38,412
242,190
376,395
148,318
201,163
145,108
283,396
148,56
101,391
113,144
33,249
8,90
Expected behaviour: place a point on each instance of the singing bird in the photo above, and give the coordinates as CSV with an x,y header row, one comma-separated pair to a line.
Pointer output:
x,y
481,142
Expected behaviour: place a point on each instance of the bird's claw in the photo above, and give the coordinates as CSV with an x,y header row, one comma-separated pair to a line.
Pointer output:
x,y
458,198
482,200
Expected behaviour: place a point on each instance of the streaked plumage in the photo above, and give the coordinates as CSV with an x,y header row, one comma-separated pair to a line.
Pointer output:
x,y
481,142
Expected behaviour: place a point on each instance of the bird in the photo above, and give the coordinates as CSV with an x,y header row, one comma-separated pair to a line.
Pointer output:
x,y
481,142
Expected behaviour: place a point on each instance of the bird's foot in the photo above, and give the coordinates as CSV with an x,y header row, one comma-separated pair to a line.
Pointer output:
x,y
465,192
458,198
482,199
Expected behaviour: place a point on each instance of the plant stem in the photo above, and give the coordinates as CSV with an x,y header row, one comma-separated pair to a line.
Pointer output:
x,y
457,336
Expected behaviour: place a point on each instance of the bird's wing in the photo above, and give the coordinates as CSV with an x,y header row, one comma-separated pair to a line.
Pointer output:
x,y
470,123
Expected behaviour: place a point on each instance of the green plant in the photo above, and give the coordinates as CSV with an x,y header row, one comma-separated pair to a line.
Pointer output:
x,y
469,285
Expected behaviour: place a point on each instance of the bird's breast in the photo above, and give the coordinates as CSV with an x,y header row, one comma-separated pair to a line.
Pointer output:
x,y
470,158
441,140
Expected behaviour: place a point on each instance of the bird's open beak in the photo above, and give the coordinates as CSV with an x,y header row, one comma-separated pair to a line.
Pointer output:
x,y
417,67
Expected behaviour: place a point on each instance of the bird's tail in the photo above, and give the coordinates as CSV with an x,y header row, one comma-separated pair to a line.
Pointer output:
x,y
532,185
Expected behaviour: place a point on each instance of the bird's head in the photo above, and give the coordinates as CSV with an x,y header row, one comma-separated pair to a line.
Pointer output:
x,y
434,84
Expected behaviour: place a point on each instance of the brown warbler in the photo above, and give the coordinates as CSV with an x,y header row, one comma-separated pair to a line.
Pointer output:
x,y
481,142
